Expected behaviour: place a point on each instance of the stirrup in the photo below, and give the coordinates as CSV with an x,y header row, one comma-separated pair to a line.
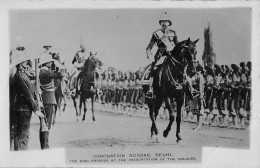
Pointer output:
x,y
150,95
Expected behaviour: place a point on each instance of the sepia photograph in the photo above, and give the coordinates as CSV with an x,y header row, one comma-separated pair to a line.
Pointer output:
x,y
130,84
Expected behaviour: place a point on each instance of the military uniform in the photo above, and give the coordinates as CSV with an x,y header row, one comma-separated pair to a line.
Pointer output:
x,y
165,39
48,97
78,62
165,42
25,103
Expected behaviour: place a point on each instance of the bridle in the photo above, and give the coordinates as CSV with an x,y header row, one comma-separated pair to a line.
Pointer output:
x,y
183,65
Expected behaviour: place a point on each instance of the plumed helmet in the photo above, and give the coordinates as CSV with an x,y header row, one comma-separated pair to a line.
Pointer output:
x,y
249,65
199,68
165,17
217,69
209,70
243,67
227,68
235,68
223,68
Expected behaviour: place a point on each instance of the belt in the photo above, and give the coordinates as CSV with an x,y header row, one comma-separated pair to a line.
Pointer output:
x,y
49,90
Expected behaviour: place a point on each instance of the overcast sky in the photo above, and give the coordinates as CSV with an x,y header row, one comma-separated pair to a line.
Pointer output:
x,y
120,36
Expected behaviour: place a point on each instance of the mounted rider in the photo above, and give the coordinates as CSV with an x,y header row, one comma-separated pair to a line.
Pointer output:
x,y
78,62
165,39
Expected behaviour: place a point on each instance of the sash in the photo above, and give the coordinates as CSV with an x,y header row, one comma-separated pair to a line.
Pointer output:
x,y
165,39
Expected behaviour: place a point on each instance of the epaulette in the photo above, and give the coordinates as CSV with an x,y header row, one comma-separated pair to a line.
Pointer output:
x,y
172,31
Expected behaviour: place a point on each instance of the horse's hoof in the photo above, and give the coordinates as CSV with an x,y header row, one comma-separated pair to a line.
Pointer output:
x,y
178,136
157,139
197,128
165,133
179,141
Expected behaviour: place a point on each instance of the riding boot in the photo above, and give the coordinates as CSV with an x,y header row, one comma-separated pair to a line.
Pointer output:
x,y
150,93
44,140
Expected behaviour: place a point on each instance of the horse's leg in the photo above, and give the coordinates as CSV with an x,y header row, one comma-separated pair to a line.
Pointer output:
x,y
54,116
83,100
65,103
157,107
93,108
59,106
169,105
75,106
179,103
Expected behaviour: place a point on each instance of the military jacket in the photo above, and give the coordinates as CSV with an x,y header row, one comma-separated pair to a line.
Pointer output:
x,y
80,58
26,93
164,40
197,82
47,85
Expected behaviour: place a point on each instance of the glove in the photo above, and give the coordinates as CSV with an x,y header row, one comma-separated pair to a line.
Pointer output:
x,y
149,54
39,114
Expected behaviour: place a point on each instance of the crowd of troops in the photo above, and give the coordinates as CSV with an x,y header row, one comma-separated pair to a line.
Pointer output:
x,y
224,91
220,95
122,90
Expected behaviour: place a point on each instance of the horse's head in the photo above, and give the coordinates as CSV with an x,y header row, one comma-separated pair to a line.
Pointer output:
x,y
185,52
93,62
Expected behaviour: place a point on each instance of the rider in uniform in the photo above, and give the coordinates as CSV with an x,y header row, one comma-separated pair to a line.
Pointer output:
x,y
47,77
165,39
78,62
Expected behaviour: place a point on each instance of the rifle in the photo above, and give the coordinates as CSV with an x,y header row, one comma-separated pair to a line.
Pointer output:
x,y
43,121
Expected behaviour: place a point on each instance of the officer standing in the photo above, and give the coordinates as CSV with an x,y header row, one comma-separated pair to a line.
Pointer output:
x,y
165,39
26,100
47,77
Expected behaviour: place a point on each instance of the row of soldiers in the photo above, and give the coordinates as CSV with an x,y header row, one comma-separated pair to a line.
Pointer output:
x,y
122,89
226,94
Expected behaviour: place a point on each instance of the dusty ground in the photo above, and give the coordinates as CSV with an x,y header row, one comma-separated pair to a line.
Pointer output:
x,y
117,130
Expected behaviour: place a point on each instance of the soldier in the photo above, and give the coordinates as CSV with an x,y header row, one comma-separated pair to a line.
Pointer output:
x,y
197,104
165,39
248,65
78,62
243,94
26,100
235,105
222,95
208,89
214,107
47,77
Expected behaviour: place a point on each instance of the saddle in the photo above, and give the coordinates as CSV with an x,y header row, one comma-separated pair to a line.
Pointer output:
x,y
89,77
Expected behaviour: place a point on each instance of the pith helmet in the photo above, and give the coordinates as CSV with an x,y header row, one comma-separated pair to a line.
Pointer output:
x,y
46,59
217,69
165,17
82,46
18,57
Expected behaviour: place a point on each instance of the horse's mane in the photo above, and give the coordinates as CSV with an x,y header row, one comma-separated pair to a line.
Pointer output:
x,y
92,60
178,46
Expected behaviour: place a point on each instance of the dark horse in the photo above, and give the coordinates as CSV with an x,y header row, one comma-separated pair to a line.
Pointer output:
x,y
169,84
88,88
60,93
